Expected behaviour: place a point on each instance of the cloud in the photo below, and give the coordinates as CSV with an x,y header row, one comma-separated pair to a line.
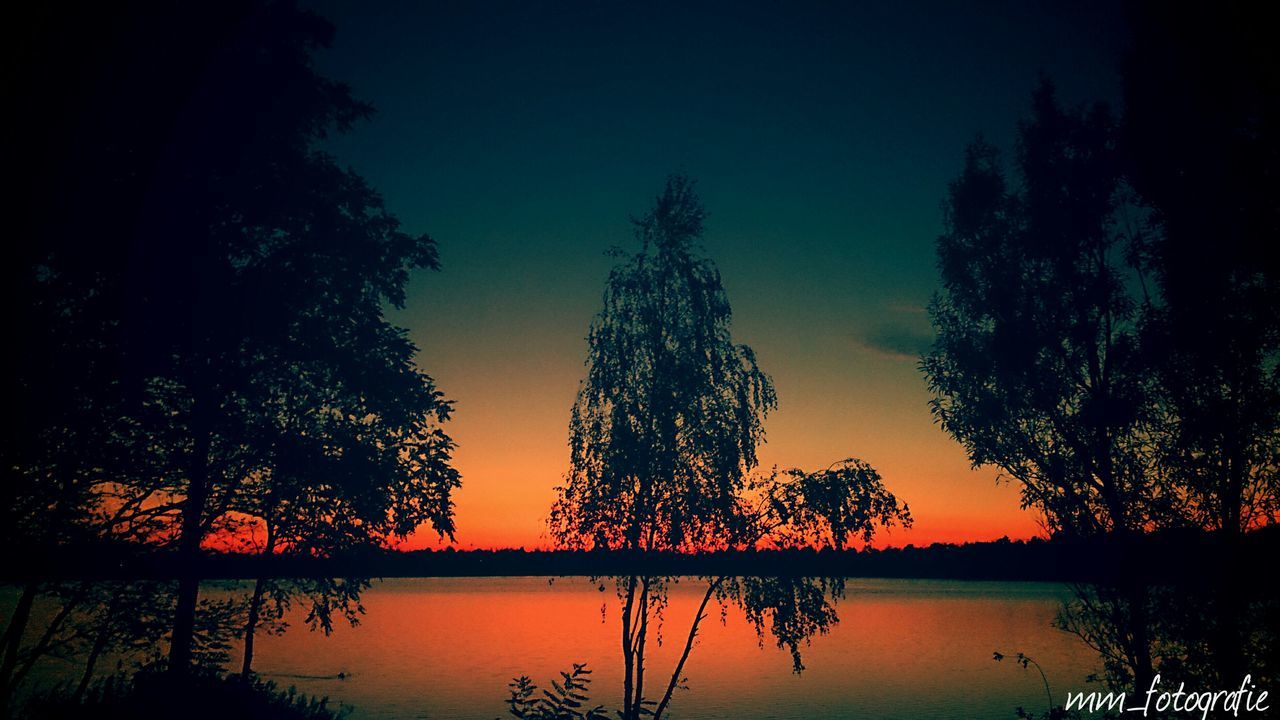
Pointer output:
x,y
903,334
898,343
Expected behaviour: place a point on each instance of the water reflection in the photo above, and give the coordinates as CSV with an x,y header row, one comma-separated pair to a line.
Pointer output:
x,y
790,610
894,649
1204,637
65,630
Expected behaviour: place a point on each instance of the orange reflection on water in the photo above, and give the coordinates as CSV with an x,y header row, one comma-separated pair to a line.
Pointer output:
x,y
442,647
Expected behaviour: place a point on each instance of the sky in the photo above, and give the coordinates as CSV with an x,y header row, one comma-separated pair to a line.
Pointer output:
x,y
522,136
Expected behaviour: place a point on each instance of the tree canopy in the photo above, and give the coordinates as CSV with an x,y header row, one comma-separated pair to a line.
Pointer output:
x,y
666,423
1036,368
1201,149
217,283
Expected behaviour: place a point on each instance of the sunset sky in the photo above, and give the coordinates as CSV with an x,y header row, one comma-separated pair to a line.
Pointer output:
x,y
822,137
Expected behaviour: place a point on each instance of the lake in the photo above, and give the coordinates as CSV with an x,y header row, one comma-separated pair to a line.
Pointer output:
x,y
447,647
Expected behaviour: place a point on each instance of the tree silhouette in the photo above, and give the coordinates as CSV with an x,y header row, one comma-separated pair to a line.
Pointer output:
x,y
663,440
308,499
1036,368
1107,332
666,423
1202,148
299,257
233,278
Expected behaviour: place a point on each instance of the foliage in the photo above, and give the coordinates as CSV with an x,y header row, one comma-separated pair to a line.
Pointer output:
x,y
86,622
567,700
204,298
794,508
1107,333
1184,629
1036,366
666,422
1202,147
1027,661
795,609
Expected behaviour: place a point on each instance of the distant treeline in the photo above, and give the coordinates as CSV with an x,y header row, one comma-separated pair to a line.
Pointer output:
x,y
1174,557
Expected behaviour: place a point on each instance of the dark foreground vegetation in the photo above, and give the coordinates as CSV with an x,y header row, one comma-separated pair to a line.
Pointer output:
x,y
151,695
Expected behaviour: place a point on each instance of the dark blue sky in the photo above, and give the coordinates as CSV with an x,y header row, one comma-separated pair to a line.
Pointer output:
x,y
523,135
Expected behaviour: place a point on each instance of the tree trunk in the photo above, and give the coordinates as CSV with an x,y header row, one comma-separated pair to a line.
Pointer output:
x,y
259,587
638,703
627,660
1231,605
99,644
13,642
251,626
50,632
1233,496
181,645
1143,670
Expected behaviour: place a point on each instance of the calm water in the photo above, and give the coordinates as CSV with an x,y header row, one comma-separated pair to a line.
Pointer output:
x,y
447,647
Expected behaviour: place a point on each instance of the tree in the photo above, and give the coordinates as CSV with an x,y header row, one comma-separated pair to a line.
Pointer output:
x,y
1036,368
665,426
663,439
48,461
666,423
1202,149
285,511
1107,333
235,277
297,258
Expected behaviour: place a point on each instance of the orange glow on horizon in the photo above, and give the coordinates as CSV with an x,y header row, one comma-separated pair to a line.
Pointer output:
x,y
836,400
505,496
955,516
